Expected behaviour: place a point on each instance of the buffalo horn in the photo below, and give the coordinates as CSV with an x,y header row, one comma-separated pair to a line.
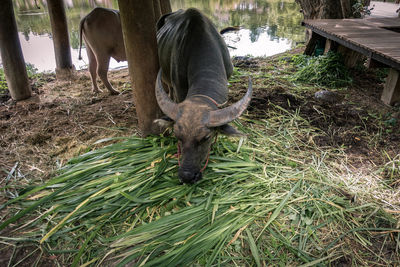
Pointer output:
x,y
167,106
223,116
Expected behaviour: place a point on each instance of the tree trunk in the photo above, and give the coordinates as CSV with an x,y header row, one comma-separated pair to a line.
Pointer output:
x,y
157,10
59,27
165,6
346,8
323,9
11,54
139,30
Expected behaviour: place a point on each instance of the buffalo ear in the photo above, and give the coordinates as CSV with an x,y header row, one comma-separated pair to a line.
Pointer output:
x,y
161,21
164,123
226,129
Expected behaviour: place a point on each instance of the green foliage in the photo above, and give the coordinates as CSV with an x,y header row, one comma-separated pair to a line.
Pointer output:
x,y
325,70
3,83
360,9
32,71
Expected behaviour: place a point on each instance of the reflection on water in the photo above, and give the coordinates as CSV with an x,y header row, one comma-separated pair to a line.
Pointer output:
x,y
268,27
241,44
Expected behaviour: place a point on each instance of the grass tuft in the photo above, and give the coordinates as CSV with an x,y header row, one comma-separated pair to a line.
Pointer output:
x,y
325,70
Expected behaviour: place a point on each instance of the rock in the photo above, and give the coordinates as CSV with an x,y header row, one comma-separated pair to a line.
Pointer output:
x,y
244,62
327,97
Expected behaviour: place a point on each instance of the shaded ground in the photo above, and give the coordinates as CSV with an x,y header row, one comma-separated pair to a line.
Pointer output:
x,y
65,119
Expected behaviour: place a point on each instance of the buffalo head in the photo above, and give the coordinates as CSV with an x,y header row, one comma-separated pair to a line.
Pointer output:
x,y
196,122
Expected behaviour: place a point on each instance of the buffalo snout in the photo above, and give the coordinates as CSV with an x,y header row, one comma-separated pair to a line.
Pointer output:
x,y
188,176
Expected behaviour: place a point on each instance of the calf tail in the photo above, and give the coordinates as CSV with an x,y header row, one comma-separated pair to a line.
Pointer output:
x,y
229,29
80,37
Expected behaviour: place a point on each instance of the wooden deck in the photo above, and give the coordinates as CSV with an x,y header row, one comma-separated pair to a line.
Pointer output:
x,y
376,38
370,37
383,9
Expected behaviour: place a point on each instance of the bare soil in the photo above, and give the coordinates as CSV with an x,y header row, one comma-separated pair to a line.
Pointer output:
x,y
63,119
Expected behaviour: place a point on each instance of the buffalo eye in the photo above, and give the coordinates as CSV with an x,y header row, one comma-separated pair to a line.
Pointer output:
x,y
205,138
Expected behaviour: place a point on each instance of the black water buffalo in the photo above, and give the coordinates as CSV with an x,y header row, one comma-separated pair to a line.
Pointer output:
x,y
102,31
195,65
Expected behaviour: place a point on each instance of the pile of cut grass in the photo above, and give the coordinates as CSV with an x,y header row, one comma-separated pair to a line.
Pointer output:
x,y
324,70
268,199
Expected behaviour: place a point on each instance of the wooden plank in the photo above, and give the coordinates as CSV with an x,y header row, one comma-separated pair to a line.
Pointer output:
x,y
340,31
351,35
372,41
390,22
373,64
391,91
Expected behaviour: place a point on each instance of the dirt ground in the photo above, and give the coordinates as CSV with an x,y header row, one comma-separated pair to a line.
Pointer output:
x,y
65,119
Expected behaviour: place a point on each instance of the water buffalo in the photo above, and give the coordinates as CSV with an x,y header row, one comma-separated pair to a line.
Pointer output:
x,y
195,65
102,31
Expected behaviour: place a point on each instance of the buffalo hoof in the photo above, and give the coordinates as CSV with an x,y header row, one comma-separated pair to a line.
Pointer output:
x,y
96,91
114,92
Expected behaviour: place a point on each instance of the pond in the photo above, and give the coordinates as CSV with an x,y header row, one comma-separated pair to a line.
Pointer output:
x,y
267,27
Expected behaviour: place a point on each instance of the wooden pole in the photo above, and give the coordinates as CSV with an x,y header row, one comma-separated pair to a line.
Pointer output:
x,y
139,30
59,28
391,91
11,54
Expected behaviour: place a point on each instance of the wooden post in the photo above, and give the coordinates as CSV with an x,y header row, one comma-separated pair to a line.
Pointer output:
x,y
330,46
11,54
59,28
391,91
139,30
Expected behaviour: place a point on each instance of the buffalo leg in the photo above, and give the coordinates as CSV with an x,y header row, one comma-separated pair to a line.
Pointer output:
x,y
93,69
102,69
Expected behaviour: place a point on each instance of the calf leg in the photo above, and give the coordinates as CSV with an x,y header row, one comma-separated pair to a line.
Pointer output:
x,y
102,69
92,69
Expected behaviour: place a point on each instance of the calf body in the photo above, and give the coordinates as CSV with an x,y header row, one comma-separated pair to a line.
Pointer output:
x,y
102,32
195,65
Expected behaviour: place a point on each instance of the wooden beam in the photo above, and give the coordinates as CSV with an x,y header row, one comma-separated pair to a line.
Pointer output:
x,y
391,91
373,64
312,43
139,30
59,28
11,54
